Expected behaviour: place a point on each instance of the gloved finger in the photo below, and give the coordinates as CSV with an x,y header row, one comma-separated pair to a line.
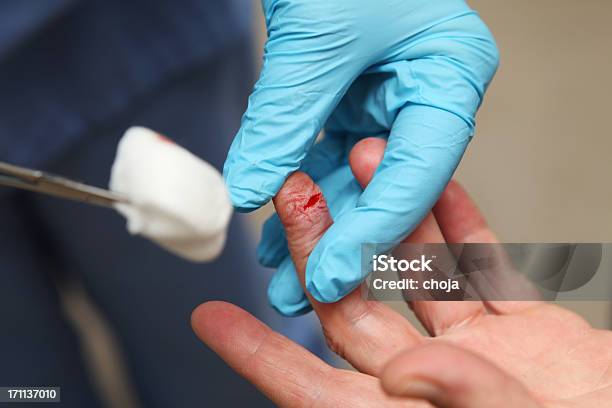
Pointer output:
x,y
272,247
342,192
431,97
424,148
366,333
436,317
325,157
451,377
285,293
301,82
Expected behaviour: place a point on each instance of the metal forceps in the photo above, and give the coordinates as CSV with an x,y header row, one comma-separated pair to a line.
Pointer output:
x,y
45,183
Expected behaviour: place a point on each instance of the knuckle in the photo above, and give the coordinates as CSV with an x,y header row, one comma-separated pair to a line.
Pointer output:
x,y
482,53
470,55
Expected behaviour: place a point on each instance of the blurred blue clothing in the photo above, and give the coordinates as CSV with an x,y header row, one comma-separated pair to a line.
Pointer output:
x,y
146,294
67,65
74,74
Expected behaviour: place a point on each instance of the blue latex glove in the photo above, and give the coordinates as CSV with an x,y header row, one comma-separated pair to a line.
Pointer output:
x,y
414,71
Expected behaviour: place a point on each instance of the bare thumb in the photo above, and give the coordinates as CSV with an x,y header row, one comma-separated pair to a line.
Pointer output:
x,y
451,377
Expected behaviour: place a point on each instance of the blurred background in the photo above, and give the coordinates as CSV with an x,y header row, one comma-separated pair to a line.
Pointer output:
x,y
538,167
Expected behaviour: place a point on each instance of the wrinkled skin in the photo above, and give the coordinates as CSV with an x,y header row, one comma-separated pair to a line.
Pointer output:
x,y
492,354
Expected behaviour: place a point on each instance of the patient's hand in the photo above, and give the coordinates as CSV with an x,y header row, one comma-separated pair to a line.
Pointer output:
x,y
491,354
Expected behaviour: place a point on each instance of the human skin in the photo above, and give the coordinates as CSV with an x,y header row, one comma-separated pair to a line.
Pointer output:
x,y
478,354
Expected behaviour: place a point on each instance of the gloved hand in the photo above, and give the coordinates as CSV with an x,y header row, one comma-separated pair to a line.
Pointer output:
x,y
412,71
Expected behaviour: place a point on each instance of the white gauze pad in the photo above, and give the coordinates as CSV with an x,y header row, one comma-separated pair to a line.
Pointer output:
x,y
175,199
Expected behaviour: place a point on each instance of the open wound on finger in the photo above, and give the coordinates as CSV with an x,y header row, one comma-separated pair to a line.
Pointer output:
x,y
313,200
302,209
